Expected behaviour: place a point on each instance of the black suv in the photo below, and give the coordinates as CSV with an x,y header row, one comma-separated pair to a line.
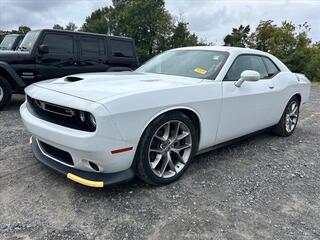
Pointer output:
x,y
11,41
47,54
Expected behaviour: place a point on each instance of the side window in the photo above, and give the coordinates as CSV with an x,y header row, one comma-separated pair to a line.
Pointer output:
x,y
59,44
91,46
246,62
271,67
121,48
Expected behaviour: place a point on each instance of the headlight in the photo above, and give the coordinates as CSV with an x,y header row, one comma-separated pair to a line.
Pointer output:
x,y
87,119
92,120
82,116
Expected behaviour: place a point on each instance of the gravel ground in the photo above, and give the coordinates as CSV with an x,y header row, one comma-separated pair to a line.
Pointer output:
x,y
265,187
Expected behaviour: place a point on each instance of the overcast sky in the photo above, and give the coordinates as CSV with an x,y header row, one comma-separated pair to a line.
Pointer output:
x,y
210,19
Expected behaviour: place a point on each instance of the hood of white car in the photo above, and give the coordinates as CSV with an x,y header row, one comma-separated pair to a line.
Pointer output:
x,y
98,86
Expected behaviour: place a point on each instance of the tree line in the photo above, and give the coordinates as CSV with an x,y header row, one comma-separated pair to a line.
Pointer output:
x,y
155,30
289,42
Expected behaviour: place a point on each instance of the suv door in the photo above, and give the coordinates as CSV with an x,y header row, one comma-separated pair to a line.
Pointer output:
x,y
247,108
61,60
92,54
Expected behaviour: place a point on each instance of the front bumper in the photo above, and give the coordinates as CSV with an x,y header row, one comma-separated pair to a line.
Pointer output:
x,y
91,179
84,147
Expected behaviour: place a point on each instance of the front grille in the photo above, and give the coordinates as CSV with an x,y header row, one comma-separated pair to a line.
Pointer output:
x,y
60,115
56,153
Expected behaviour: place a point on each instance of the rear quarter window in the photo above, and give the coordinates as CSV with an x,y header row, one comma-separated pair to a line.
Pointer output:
x,y
121,48
271,67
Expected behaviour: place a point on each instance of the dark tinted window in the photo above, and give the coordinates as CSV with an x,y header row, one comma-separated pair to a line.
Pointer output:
x,y
271,67
121,48
246,62
59,44
91,46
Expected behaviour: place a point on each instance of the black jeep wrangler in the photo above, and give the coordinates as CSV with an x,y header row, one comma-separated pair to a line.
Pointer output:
x,y
47,54
11,41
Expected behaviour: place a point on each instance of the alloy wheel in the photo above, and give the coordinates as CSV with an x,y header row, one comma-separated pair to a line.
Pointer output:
x,y
170,149
292,116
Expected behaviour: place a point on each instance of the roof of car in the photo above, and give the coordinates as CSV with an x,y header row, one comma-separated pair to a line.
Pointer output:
x,y
229,49
82,33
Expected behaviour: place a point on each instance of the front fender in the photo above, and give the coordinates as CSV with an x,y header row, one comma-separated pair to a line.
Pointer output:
x,y
15,77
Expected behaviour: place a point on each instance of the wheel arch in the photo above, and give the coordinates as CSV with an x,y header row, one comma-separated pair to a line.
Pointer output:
x,y
11,76
189,112
298,95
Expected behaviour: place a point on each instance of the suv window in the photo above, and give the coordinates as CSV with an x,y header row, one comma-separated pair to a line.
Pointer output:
x,y
271,67
121,48
92,46
246,62
58,43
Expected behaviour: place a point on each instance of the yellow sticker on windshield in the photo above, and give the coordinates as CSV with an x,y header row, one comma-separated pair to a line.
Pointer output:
x,y
200,71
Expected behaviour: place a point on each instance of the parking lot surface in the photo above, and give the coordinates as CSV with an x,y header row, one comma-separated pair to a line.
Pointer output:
x,y
264,187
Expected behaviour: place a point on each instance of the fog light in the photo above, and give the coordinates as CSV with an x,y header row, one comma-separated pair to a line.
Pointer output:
x,y
94,166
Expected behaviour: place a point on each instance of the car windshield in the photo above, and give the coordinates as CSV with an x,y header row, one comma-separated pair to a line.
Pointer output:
x,y
7,42
188,63
28,41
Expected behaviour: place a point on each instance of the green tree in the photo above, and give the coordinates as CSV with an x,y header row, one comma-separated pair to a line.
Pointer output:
x,y
182,37
289,42
57,27
147,22
238,37
71,27
260,39
100,21
23,29
312,68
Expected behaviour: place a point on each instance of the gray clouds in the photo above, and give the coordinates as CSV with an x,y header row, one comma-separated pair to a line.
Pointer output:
x,y
210,19
213,19
46,13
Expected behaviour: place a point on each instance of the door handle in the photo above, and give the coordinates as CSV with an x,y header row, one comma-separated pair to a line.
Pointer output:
x,y
271,87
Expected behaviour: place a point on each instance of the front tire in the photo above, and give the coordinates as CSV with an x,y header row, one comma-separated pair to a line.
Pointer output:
x,y
5,92
289,119
166,148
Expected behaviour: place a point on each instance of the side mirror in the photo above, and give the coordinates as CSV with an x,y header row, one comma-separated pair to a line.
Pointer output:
x,y
44,49
248,75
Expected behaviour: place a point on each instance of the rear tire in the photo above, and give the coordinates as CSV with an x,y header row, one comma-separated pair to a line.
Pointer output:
x,y
289,119
166,148
5,92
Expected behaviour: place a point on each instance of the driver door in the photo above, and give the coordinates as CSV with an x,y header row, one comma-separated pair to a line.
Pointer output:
x,y
61,60
247,108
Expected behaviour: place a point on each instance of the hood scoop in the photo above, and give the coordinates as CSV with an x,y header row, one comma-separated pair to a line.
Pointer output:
x,y
73,79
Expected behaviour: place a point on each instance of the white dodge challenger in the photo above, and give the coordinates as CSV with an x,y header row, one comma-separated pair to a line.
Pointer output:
x,y
105,128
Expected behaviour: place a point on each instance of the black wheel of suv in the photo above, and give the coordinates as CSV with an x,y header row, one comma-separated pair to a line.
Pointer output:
x,y
5,92
166,148
289,119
